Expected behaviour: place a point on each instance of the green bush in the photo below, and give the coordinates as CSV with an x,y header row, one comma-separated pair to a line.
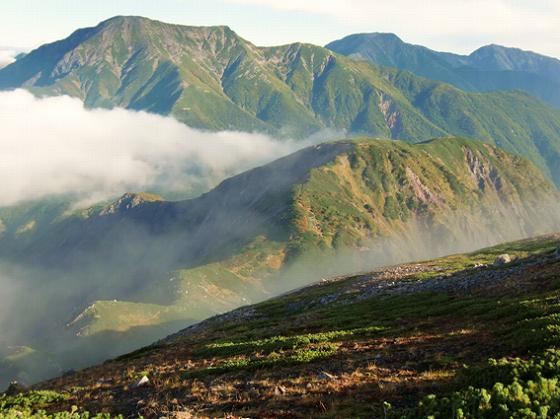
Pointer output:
x,y
32,405
501,389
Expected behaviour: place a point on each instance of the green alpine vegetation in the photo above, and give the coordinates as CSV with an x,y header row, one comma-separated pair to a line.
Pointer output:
x,y
118,276
489,68
210,78
460,336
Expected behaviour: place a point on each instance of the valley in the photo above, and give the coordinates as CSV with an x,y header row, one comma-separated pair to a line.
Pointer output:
x,y
327,209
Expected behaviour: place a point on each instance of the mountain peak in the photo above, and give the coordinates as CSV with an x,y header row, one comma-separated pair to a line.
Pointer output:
x,y
128,201
496,48
388,36
361,39
144,21
125,18
499,57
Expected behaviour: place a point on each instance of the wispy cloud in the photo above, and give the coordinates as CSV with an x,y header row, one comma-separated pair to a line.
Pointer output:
x,y
54,146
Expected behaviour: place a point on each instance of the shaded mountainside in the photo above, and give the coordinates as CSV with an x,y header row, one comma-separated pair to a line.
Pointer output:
x,y
335,195
116,277
209,77
459,336
489,68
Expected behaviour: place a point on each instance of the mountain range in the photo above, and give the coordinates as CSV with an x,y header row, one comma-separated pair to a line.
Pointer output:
x,y
489,68
428,167
210,78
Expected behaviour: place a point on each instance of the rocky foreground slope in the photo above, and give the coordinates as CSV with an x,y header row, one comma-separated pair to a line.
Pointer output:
x,y
469,335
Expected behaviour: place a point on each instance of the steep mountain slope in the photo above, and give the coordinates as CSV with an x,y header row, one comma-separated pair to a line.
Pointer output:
x,y
211,78
490,68
460,336
139,266
410,180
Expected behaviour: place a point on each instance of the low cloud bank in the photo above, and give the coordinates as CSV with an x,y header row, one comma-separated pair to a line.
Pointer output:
x,y
7,56
54,146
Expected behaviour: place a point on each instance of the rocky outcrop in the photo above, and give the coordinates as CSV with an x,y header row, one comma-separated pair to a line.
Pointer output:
x,y
390,113
503,260
483,173
15,388
129,201
421,191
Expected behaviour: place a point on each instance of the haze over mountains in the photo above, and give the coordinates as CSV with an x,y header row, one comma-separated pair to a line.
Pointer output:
x,y
489,68
116,275
481,332
210,78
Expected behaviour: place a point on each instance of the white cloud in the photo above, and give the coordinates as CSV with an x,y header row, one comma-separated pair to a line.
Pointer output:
x,y
7,56
448,24
54,146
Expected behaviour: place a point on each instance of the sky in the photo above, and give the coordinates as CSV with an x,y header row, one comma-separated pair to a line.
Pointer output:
x,y
458,26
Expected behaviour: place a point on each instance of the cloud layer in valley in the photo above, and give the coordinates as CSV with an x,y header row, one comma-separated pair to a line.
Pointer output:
x,y
54,146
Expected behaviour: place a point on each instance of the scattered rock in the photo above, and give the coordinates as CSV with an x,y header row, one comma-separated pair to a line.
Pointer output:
x,y
254,393
144,381
328,299
279,390
557,253
502,260
325,376
15,388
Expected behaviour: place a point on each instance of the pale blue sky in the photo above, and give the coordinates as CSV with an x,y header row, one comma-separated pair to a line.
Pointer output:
x,y
452,25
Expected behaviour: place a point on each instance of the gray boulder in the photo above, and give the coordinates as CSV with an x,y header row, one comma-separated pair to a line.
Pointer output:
x,y
502,260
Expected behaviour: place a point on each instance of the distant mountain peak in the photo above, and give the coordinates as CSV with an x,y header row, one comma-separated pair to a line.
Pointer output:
x,y
144,21
375,35
481,71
